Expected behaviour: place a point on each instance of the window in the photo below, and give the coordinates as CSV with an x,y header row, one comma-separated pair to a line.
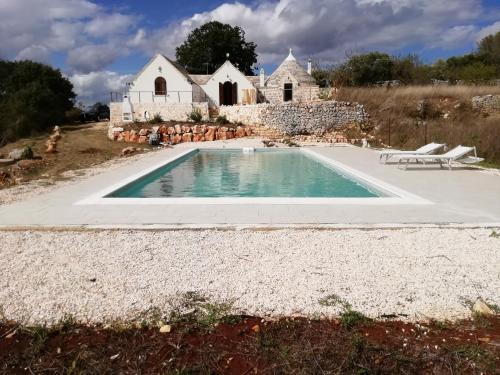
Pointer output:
x,y
288,92
160,86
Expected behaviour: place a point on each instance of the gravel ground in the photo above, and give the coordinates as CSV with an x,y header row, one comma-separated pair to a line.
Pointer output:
x,y
98,276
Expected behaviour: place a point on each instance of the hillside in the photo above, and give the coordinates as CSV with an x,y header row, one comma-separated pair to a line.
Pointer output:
x,y
408,117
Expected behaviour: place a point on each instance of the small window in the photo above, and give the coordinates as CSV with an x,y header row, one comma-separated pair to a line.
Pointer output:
x,y
160,86
288,92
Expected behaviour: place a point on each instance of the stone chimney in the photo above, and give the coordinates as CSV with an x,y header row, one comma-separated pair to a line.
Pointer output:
x,y
262,77
309,67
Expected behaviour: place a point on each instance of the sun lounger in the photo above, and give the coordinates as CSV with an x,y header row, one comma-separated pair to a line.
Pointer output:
x,y
424,150
458,154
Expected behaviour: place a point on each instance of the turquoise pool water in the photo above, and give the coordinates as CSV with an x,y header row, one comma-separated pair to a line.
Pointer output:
x,y
232,173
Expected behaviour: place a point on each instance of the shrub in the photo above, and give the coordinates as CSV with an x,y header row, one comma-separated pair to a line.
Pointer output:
x,y
156,119
351,318
222,120
195,115
27,153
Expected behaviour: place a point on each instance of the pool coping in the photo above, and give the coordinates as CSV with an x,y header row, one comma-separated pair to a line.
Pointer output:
x,y
399,196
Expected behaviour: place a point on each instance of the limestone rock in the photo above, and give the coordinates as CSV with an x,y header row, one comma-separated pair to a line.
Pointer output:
x,y
197,129
175,138
165,328
16,154
51,147
28,163
240,132
128,151
480,307
198,138
210,134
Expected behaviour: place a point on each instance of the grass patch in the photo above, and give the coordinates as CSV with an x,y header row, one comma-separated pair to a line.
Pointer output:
x,y
333,300
488,164
197,311
472,357
495,234
352,318
66,323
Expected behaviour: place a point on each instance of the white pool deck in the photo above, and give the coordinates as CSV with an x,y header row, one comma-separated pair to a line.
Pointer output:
x,y
468,197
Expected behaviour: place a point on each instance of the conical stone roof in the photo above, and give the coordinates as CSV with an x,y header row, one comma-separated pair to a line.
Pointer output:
x,y
290,71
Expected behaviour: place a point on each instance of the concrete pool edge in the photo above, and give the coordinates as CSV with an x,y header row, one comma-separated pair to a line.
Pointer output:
x,y
399,196
242,227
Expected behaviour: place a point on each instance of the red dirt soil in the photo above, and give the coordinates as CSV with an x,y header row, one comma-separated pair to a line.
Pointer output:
x,y
250,345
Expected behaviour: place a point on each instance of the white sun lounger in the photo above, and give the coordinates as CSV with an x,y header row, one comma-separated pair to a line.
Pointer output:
x,y
429,148
457,154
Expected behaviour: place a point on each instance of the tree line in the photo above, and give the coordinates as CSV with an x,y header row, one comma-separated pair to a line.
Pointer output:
x,y
373,68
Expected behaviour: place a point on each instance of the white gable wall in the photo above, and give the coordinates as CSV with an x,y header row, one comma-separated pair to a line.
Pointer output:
x,y
179,89
227,72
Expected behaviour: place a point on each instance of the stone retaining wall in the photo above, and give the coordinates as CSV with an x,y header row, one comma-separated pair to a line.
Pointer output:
x,y
486,103
298,118
177,133
167,111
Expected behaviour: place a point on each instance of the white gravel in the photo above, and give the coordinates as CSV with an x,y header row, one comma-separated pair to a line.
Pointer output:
x,y
428,272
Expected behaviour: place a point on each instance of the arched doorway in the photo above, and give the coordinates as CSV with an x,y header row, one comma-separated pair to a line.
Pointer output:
x,y
160,86
228,93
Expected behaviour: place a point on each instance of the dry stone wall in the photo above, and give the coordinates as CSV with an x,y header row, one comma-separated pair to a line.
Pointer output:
x,y
315,118
486,103
167,111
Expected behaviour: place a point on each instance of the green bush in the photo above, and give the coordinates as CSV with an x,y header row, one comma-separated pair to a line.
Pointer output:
x,y
195,115
27,153
222,120
156,119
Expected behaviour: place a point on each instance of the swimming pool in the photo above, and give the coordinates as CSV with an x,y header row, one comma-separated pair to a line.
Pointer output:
x,y
215,173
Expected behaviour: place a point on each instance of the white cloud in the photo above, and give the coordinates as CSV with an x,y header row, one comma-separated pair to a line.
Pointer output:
x,y
108,25
488,30
34,53
38,28
93,57
96,86
326,29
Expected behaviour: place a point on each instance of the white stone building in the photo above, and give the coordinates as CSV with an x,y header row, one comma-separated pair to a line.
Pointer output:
x,y
166,88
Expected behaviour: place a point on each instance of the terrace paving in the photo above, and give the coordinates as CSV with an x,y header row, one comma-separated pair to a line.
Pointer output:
x,y
460,196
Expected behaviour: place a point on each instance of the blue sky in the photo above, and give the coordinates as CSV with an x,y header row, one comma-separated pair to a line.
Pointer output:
x,y
99,44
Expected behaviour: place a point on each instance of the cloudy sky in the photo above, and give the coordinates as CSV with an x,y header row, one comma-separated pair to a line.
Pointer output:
x,y
100,44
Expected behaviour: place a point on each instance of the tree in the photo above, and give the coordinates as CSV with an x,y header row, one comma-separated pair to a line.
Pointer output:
x,y
369,68
322,75
33,97
489,49
206,47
